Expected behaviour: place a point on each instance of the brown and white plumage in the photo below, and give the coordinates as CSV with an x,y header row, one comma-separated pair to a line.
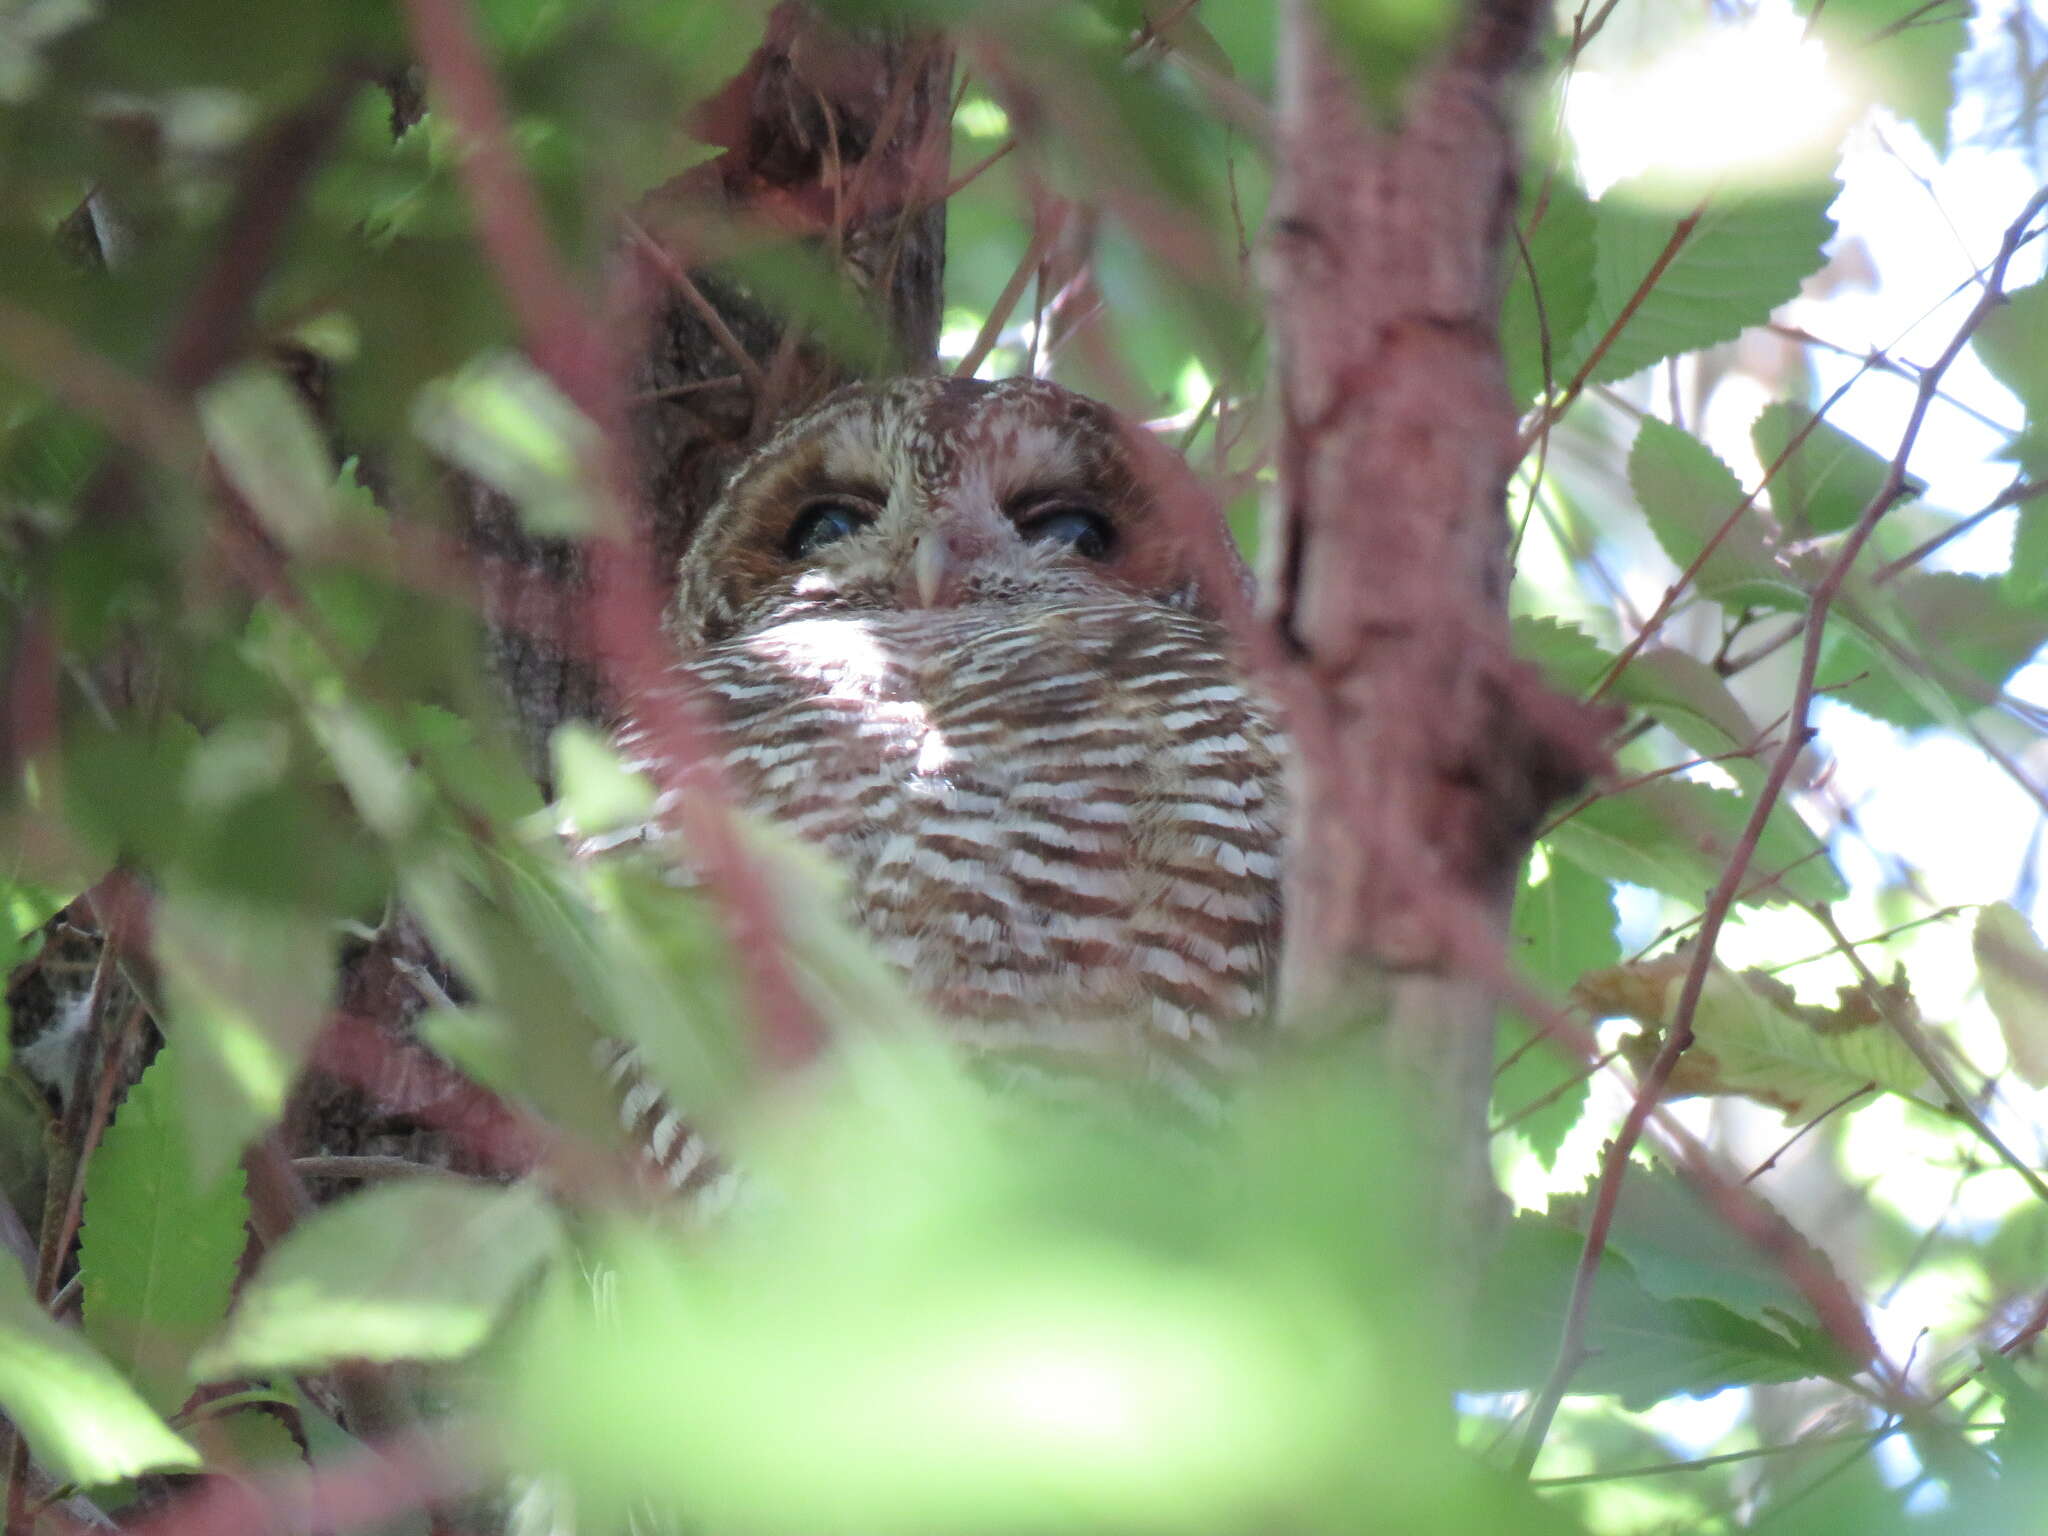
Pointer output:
x,y
955,638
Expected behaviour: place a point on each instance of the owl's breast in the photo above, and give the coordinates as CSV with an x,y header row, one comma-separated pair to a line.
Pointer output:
x,y
1051,814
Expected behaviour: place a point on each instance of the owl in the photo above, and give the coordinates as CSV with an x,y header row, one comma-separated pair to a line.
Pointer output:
x,y
958,636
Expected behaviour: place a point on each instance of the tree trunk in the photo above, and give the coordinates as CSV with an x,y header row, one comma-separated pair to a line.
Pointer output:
x,y
1415,732
839,143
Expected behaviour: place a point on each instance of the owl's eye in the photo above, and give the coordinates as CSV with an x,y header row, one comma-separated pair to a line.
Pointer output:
x,y
826,523
1086,533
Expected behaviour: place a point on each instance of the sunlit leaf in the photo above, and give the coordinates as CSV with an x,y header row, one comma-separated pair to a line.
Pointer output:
x,y
158,1247
1903,52
421,1269
1675,836
80,1418
1747,254
246,990
2013,967
1752,1036
593,785
267,445
504,422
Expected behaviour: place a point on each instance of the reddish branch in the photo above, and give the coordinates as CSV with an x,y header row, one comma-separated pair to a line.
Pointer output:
x,y
1415,731
623,611
1614,1166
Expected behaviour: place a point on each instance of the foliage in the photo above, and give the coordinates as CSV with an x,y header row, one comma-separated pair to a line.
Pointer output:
x,y
251,319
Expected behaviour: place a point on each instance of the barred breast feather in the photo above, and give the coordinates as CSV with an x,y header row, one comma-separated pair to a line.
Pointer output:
x,y
1055,816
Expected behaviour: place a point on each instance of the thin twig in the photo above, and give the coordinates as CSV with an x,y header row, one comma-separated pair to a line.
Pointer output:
x,y
623,612
1614,1166
1915,1040
1799,1135
665,263
1051,220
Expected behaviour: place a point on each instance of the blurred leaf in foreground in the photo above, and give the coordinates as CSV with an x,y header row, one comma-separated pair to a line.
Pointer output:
x,y
416,1270
946,1310
82,1421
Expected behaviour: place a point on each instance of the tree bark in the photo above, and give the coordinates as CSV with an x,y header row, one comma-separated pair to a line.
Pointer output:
x,y
1415,731
830,140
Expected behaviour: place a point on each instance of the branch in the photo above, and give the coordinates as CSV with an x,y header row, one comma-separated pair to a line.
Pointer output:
x,y
1614,1165
623,611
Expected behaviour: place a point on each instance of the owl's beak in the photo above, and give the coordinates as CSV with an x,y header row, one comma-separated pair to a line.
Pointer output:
x,y
929,562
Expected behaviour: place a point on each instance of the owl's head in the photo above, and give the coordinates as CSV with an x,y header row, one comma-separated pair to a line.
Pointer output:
x,y
941,492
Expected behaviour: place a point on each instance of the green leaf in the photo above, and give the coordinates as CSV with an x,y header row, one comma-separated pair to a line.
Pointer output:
x,y
503,421
246,989
1560,249
1385,42
2013,968
82,1421
2012,342
1748,254
1754,1039
1674,836
158,1248
593,785
1571,660
1828,480
1903,51
417,1270
1928,647
1563,928
1688,495
1681,1250
1641,1348
2026,579
1689,699
267,445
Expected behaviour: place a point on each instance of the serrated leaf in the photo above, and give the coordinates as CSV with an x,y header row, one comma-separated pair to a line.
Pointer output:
x,y
1640,1348
82,1421
1746,255
1681,1250
1675,836
2013,968
2026,578
1752,1036
1827,481
1555,303
1571,660
158,1247
2012,341
1688,496
418,1270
